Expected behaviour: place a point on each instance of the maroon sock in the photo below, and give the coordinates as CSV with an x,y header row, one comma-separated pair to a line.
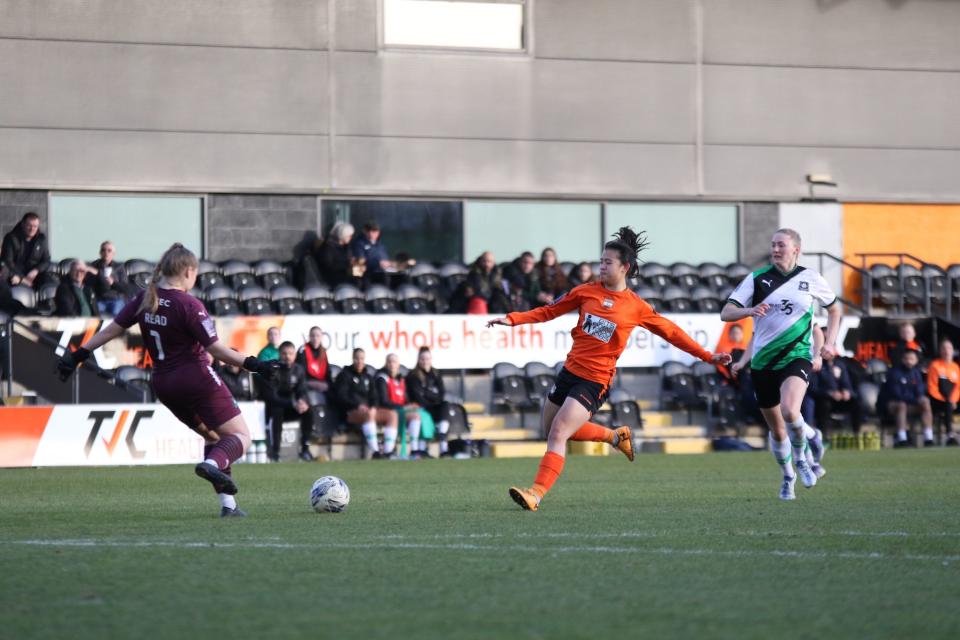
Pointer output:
x,y
229,448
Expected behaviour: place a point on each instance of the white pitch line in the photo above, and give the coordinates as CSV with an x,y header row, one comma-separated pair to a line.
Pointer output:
x,y
666,534
664,551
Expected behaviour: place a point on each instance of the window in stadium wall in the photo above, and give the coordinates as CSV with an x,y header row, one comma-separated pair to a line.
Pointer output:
x,y
508,229
484,25
140,226
428,231
691,233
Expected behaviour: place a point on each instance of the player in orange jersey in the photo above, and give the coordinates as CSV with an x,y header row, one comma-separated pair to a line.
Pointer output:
x,y
609,312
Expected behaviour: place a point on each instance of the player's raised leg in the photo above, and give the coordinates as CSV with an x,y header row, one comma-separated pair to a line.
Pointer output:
x,y
568,419
781,450
792,391
233,442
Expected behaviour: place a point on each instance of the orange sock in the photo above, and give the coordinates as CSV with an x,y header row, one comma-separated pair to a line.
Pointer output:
x,y
591,432
550,468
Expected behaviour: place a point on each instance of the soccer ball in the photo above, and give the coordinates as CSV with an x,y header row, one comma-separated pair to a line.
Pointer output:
x,y
330,494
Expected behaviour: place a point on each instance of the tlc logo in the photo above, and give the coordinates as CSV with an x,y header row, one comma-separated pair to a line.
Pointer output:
x,y
100,417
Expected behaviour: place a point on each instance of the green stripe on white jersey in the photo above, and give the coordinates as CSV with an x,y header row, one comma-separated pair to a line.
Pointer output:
x,y
784,333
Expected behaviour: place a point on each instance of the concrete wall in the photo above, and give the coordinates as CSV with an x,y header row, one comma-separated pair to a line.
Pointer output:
x,y
646,99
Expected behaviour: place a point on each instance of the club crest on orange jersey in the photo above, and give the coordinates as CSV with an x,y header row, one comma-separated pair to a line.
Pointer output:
x,y
607,303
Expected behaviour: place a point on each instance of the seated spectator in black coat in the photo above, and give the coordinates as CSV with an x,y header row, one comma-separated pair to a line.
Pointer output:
x,y
357,396
286,397
110,281
553,281
237,380
524,283
334,258
905,392
425,387
24,252
484,290
367,249
74,297
833,393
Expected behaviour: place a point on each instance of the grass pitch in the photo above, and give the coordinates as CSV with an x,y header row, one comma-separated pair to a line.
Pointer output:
x,y
669,546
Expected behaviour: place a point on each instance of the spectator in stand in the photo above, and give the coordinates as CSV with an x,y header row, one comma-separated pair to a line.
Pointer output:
x,y
484,290
368,249
357,396
74,297
906,395
733,340
392,396
237,380
272,350
110,281
334,259
425,387
943,387
313,358
286,399
553,281
581,273
24,252
524,284
833,392
907,340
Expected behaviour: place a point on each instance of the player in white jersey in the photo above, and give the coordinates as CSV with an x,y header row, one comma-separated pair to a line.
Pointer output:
x,y
780,299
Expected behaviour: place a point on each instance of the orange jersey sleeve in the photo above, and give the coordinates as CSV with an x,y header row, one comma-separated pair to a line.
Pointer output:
x,y
939,369
606,320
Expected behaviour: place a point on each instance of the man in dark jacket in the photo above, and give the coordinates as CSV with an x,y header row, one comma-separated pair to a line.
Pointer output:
x,y
833,392
906,394
286,397
24,252
110,282
75,297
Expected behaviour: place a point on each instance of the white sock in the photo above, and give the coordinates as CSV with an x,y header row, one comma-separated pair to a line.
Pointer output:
x,y
389,439
928,433
370,433
442,427
782,454
227,501
413,433
798,439
901,434
211,461
808,431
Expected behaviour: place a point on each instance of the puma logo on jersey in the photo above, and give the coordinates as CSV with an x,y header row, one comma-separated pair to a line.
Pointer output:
x,y
766,283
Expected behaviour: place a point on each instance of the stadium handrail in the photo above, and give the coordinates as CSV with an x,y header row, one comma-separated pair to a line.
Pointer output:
x,y
926,285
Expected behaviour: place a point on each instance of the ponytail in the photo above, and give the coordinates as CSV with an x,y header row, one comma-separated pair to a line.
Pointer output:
x,y
628,245
173,262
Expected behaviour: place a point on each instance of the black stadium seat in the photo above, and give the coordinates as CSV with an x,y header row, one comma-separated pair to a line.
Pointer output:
x,y
656,275
24,295
222,301
677,300
684,275
509,388
381,299
452,274
254,300
349,299
238,273
286,300
712,275
678,386
886,284
412,299
424,275
936,283
208,275
318,299
270,274
139,272
540,379
626,410
46,299
705,300
914,285
135,379
737,271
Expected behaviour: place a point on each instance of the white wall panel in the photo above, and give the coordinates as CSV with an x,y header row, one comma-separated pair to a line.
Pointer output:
x,y
409,165
480,97
61,159
832,107
885,34
120,86
821,231
242,23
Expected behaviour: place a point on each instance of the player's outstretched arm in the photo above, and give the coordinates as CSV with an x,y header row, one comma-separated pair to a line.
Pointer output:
x,y
506,322
224,353
732,312
676,336
70,360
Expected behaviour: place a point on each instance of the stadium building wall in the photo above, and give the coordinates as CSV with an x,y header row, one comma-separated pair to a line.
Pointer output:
x,y
612,99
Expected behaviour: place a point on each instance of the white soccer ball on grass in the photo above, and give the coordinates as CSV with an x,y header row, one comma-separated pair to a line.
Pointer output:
x,y
329,494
